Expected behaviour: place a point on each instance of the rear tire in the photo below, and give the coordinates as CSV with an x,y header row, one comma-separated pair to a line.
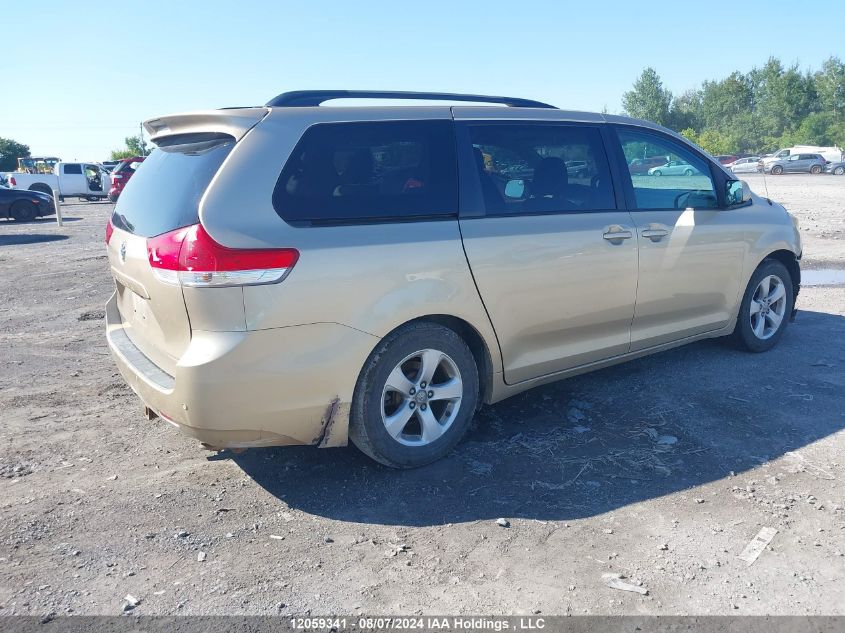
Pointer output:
x,y
24,211
397,417
758,329
777,170
815,169
41,187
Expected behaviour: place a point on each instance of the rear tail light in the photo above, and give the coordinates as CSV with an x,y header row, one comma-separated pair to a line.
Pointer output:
x,y
109,231
188,256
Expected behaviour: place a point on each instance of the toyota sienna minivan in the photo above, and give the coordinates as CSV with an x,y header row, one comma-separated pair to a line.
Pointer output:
x,y
301,273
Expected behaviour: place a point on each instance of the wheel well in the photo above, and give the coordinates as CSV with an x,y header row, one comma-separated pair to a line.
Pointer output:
x,y
43,188
477,346
788,259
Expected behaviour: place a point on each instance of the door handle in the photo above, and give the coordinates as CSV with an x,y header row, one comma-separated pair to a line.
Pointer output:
x,y
616,233
655,235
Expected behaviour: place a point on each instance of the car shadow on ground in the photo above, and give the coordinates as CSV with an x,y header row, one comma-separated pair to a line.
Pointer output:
x,y
37,221
593,443
29,238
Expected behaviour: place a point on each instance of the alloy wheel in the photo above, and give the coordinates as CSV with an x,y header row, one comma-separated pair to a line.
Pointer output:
x,y
421,397
768,307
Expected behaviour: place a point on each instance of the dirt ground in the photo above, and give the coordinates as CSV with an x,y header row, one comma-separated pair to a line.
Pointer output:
x,y
662,470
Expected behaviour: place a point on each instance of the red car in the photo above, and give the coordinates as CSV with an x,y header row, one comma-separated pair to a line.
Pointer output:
x,y
727,159
121,175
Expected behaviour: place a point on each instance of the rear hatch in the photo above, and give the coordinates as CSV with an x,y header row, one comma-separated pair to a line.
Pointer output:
x,y
160,198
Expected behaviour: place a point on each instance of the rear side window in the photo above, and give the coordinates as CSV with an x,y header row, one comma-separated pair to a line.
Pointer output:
x,y
373,171
165,194
72,169
529,168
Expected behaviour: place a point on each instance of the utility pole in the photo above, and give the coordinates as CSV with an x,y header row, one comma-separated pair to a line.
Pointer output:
x,y
143,142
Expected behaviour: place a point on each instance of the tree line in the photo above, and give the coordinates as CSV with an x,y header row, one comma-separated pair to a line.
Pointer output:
x,y
760,111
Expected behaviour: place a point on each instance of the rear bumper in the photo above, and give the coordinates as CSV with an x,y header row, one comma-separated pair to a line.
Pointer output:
x,y
277,387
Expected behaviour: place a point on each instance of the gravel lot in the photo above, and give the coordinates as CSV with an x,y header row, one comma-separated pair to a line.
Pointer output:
x,y
662,469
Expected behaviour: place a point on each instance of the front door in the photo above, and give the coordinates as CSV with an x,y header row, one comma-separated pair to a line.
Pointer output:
x,y
690,251
554,259
94,179
72,180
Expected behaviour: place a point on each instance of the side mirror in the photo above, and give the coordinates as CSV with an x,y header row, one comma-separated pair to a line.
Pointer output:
x,y
738,193
515,189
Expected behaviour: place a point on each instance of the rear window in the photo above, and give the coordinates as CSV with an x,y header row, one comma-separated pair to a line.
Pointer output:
x,y
370,171
127,166
165,194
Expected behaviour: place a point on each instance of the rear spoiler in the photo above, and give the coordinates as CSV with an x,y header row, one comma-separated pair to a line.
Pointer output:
x,y
235,122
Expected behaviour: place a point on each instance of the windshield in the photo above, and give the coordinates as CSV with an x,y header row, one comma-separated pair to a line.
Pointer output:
x,y
165,192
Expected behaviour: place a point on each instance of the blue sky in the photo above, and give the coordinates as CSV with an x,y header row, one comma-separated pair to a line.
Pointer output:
x,y
79,77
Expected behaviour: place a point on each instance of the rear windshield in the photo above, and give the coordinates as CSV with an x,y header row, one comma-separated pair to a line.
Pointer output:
x,y
165,194
127,166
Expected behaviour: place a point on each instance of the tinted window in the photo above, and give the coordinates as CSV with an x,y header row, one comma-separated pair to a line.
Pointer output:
x,y
531,168
342,172
165,194
678,179
72,168
127,167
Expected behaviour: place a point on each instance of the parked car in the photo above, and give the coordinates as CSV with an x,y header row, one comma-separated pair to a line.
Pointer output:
x,y
674,168
121,175
833,154
797,163
83,180
726,159
837,169
23,205
640,166
298,274
746,165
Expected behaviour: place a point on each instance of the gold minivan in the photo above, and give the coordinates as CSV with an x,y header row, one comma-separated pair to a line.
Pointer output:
x,y
307,274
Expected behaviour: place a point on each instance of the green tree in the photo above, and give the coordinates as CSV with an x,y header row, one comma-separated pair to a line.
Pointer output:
x,y
723,101
135,146
685,111
10,152
648,99
830,86
715,142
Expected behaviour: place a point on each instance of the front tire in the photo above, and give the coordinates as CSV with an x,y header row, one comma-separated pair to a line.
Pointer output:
x,y
415,397
688,172
777,170
839,171
24,211
766,307
658,173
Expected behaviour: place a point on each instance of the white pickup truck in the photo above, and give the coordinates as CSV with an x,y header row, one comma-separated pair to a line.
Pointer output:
x,y
84,180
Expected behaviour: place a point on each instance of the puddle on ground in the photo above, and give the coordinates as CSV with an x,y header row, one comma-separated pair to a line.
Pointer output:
x,y
823,277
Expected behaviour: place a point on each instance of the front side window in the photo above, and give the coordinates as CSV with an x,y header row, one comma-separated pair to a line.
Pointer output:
x,y
529,168
372,171
677,179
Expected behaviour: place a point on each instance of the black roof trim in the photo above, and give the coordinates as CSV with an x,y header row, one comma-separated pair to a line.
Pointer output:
x,y
306,98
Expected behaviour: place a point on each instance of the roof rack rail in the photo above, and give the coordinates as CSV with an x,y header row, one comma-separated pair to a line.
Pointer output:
x,y
305,98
